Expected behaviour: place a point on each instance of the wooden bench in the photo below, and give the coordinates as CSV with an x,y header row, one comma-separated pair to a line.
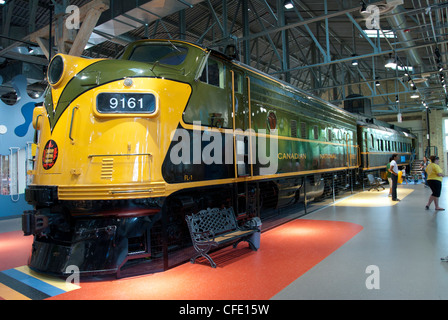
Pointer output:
x,y
215,227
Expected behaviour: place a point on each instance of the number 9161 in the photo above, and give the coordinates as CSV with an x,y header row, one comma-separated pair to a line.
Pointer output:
x,y
125,103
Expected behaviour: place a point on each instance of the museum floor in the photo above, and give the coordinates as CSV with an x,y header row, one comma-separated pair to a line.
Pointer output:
x,y
362,247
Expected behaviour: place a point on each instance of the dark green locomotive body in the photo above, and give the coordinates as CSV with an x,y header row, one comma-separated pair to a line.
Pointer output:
x,y
276,127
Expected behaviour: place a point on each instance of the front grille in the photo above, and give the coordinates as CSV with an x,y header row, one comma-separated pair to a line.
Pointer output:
x,y
107,168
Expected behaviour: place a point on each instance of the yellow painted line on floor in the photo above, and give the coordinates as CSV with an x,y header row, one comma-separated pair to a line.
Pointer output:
x,y
9,294
54,281
373,198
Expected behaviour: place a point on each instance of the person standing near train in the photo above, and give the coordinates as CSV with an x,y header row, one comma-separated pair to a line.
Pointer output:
x,y
434,178
423,166
389,176
394,175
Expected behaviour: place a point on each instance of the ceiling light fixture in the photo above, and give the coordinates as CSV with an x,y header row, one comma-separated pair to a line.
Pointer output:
x,y
288,4
377,83
390,63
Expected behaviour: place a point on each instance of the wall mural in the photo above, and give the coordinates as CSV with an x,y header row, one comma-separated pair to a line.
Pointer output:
x,y
16,135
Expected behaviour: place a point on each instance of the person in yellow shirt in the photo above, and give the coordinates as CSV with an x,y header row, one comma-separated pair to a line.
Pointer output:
x,y
434,177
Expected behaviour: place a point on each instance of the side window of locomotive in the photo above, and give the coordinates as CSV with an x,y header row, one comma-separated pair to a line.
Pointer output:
x,y
329,133
210,102
373,141
303,130
316,132
213,73
164,54
294,128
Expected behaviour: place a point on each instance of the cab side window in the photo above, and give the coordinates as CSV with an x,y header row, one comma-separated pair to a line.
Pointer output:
x,y
213,73
211,104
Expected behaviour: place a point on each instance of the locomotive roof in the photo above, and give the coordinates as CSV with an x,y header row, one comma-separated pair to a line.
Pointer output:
x,y
284,84
293,88
371,122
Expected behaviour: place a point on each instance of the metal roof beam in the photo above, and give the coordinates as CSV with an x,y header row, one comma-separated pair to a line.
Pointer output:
x,y
300,23
369,55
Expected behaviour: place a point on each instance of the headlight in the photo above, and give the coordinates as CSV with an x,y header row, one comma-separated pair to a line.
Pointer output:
x,y
55,70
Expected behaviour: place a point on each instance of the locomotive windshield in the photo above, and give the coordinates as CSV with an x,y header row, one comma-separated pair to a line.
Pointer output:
x,y
159,53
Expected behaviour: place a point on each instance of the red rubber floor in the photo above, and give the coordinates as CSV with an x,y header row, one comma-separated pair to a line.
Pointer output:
x,y
286,253
15,249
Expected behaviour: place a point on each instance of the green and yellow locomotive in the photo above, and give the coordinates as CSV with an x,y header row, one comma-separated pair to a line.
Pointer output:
x,y
127,147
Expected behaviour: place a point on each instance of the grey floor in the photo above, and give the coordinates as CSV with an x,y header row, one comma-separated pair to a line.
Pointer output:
x,y
7,225
402,241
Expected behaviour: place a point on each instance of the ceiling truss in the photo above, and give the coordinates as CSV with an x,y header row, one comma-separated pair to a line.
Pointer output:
x,y
312,46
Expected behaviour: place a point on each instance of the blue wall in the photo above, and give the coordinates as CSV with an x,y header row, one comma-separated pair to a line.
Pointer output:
x,y
11,209
17,118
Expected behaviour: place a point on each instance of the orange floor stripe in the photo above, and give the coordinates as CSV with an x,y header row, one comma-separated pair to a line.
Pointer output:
x,y
286,253
7,293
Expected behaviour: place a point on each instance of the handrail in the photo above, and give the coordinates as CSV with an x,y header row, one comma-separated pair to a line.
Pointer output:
x,y
35,131
14,178
71,123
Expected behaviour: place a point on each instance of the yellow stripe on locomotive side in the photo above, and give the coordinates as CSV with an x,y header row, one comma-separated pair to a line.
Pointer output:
x,y
386,153
383,166
132,191
171,188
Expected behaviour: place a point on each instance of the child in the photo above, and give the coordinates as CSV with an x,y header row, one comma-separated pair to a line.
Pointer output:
x,y
404,175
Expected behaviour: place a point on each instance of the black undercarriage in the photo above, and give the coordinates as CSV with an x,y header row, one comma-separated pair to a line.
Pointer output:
x,y
129,237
